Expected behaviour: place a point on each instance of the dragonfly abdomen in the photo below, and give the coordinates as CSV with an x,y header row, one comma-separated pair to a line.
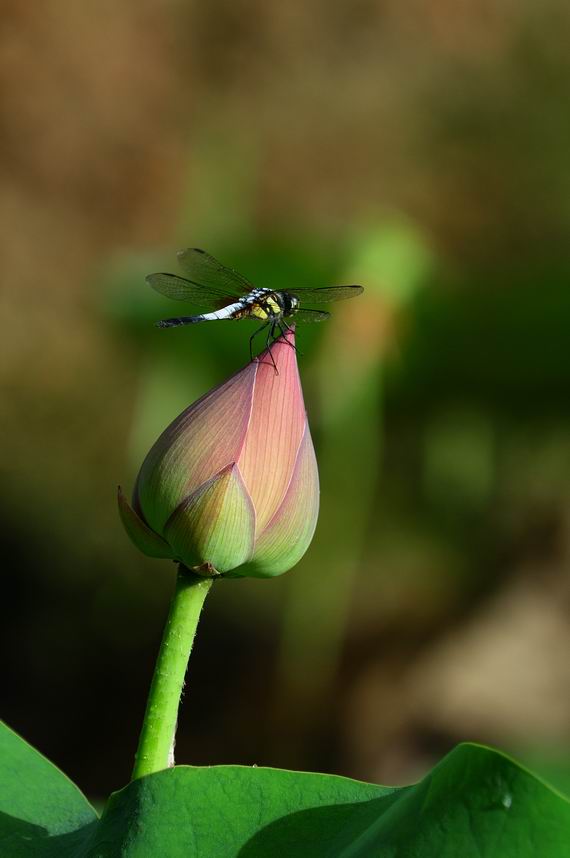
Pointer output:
x,y
180,320
229,312
232,311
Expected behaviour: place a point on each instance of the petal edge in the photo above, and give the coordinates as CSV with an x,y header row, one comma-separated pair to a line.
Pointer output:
x,y
140,534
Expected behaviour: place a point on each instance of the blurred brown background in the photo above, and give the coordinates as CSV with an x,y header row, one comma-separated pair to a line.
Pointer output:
x,y
419,148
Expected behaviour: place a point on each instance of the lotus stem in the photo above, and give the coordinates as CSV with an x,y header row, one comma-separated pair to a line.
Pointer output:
x,y
156,744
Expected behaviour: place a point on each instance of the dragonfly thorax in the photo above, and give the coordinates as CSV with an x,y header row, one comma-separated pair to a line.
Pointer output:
x,y
265,304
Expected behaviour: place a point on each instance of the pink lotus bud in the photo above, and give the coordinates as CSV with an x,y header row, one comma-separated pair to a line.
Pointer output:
x,y
231,486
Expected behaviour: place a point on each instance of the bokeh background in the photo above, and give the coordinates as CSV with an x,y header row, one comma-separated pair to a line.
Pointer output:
x,y
418,148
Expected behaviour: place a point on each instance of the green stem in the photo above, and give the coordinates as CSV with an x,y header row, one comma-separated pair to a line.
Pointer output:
x,y
156,744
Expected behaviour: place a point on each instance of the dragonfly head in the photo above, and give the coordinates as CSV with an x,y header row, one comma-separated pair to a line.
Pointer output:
x,y
291,303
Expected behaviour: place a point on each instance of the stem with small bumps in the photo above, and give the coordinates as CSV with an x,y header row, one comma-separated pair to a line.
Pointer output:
x,y
156,744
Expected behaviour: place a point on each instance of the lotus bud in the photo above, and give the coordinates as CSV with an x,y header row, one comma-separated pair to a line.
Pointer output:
x,y
231,486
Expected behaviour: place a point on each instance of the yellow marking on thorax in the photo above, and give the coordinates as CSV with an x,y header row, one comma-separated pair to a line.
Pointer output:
x,y
259,311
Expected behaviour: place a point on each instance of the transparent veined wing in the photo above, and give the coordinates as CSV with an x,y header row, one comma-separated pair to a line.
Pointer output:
x,y
203,270
180,289
325,294
309,316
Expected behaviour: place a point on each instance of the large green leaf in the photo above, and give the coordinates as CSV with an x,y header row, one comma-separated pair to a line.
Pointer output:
x,y
41,811
476,803
234,810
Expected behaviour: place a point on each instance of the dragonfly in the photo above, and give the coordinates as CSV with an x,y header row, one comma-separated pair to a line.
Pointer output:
x,y
226,294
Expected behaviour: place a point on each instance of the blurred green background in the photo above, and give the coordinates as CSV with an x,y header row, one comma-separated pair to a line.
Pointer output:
x,y
418,148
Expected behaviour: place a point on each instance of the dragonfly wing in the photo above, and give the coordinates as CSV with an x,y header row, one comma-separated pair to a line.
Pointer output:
x,y
309,316
180,289
203,270
326,294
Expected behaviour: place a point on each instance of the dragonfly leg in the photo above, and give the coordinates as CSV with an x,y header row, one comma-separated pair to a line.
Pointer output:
x,y
253,336
271,333
272,325
268,344
284,327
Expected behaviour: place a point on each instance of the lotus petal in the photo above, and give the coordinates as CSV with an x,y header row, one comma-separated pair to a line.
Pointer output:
x,y
275,430
214,525
145,539
202,441
288,535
